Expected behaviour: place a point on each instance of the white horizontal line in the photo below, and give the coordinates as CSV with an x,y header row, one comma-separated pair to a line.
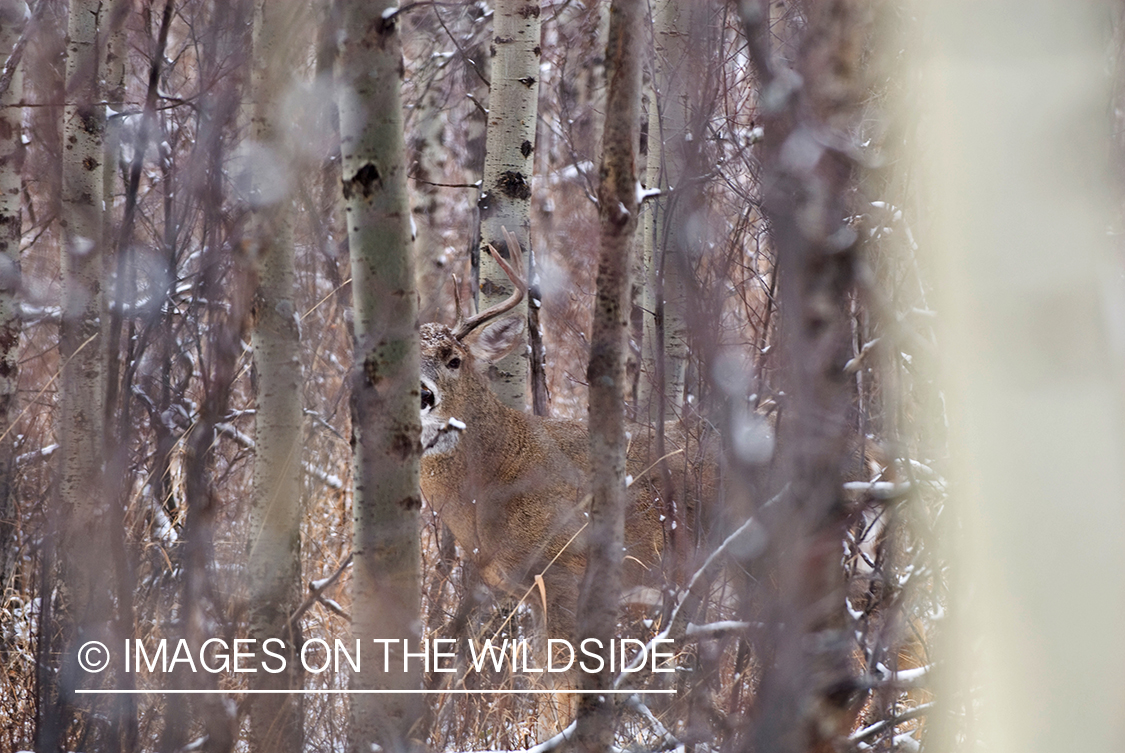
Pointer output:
x,y
340,691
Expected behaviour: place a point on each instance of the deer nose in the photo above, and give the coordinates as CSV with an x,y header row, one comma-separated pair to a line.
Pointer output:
x,y
427,398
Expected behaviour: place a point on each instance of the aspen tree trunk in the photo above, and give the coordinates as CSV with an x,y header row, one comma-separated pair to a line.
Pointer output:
x,y
595,89
12,20
664,350
429,156
274,554
115,248
652,353
386,427
475,126
12,16
329,223
513,103
115,54
617,197
664,344
44,83
86,568
81,341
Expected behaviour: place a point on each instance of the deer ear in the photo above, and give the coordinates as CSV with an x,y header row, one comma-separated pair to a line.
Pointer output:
x,y
498,339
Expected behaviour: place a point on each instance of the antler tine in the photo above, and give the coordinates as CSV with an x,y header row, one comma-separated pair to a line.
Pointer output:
x,y
456,297
513,270
514,253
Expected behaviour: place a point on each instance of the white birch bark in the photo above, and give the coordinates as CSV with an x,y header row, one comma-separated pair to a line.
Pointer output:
x,y
386,427
115,54
595,90
513,103
429,159
275,510
667,129
81,339
13,14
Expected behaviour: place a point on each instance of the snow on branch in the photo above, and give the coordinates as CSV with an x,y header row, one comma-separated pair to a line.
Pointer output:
x,y
331,480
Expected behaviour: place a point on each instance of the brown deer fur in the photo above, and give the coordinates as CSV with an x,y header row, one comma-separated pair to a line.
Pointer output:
x,y
513,487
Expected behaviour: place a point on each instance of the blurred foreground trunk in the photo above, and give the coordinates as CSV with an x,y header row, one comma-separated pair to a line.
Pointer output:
x,y
808,695
1030,301
386,426
274,555
617,199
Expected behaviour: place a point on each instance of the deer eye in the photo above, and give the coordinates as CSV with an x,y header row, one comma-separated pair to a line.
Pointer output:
x,y
454,362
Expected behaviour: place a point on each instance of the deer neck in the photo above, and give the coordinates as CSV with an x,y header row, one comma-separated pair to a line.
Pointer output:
x,y
467,483
488,450
496,436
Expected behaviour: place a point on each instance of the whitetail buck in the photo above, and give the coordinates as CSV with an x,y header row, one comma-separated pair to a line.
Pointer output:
x,y
513,487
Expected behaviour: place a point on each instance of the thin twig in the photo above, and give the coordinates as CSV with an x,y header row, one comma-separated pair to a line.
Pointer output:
x,y
425,182
318,588
871,731
673,630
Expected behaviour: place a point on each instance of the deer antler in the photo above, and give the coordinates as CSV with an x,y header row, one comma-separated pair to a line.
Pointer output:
x,y
456,297
514,271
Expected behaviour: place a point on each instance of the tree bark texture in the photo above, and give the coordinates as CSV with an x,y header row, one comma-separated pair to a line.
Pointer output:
x,y
115,55
12,21
386,426
274,547
617,197
429,155
513,101
45,86
113,58
664,343
808,692
12,17
85,580
81,340
594,93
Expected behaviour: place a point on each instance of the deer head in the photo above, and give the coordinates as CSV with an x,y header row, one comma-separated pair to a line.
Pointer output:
x,y
452,380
